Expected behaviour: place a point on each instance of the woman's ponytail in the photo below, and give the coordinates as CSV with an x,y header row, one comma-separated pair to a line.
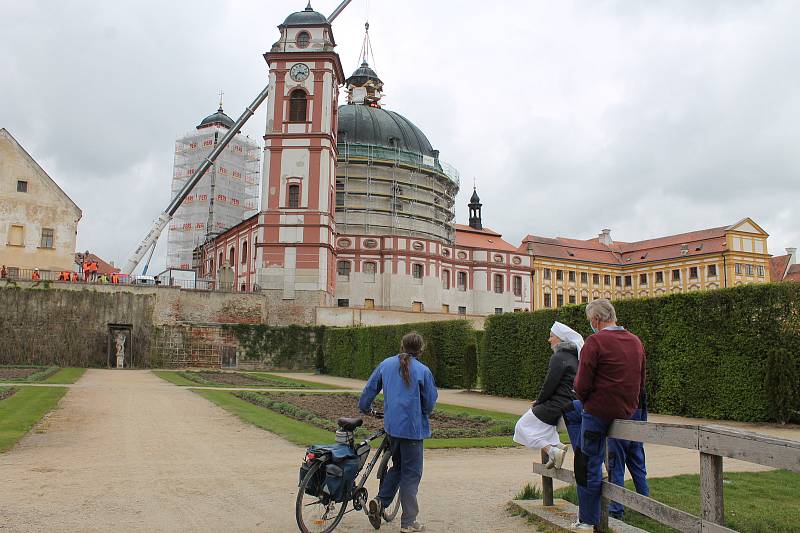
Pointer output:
x,y
411,345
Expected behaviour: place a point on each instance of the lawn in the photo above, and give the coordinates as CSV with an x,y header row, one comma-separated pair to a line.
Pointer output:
x,y
304,433
236,379
18,413
40,374
755,502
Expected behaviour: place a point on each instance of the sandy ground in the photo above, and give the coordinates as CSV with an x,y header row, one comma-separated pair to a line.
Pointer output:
x,y
127,451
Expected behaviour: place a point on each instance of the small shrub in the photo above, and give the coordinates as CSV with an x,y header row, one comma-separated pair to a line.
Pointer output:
x,y
529,492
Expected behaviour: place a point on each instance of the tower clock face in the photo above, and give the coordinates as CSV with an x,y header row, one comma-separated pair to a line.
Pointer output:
x,y
299,72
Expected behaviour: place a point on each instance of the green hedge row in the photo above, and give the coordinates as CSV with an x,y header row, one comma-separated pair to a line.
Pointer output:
x,y
291,347
450,350
729,354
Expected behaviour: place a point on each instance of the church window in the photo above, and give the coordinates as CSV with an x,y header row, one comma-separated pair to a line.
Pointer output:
x,y
693,273
297,106
584,278
712,271
221,259
244,252
22,186
559,300
232,256
498,283
462,281
547,300
546,273
572,298
417,270
607,280
343,270
517,285
642,279
628,281
47,238
676,275
303,38
445,279
559,275
595,279
659,277
294,196
572,276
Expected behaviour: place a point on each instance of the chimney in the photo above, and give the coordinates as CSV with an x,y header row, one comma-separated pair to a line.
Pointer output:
x,y
684,249
605,237
792,255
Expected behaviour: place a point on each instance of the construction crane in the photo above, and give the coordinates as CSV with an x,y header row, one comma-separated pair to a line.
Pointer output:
x,y
148,243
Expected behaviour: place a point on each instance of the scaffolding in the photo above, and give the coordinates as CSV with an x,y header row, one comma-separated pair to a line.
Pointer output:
x,y
224,197
384,190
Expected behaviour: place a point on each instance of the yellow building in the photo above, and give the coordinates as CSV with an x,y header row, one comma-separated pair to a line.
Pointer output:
x,y
38,221
570,271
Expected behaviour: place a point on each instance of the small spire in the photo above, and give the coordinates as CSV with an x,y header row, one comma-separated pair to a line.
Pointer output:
x,y
308,7
220,100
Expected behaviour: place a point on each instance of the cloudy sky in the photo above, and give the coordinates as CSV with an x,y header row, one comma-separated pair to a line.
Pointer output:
x,y
649,118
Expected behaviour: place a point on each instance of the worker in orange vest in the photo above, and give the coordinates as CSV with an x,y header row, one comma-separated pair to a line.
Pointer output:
x,y
74,277
114,278
35,276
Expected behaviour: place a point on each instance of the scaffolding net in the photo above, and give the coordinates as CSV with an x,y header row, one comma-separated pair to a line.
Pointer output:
x,y
224,197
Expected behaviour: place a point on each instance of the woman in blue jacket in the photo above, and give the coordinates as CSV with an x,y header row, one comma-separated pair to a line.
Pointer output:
x,y
409,396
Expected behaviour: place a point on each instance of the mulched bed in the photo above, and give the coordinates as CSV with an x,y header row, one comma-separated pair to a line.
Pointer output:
x,y
6,393
238,380
9,373
322,410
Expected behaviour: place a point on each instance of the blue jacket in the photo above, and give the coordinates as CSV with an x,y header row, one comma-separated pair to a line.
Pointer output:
x,y
405,408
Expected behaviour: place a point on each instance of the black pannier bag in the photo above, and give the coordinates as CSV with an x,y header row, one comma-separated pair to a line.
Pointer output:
x,y
336,478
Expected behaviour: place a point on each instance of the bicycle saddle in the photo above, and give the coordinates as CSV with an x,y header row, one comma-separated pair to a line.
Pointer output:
x,y
349,424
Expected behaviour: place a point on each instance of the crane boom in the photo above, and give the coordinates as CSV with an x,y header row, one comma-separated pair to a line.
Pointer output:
x,y
164,218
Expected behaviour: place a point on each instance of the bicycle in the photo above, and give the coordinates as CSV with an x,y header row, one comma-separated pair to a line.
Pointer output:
x,y
322,512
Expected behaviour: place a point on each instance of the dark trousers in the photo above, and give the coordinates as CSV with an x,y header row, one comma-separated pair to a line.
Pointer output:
x,y
404,475
587,433
622,453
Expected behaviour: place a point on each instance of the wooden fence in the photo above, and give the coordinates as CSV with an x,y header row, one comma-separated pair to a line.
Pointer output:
x,y
713,443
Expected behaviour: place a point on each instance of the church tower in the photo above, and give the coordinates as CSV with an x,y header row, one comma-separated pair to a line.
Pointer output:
x,y
475,206
298,209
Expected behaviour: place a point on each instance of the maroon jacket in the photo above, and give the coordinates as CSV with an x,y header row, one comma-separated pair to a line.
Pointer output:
x,y
611,374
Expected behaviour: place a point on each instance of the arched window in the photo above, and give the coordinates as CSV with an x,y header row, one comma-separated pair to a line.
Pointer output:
x,y
498,283
232,256
294,196
220,260
297,106
244,252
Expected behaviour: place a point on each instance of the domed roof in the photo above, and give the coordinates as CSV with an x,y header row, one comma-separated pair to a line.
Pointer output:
x,y
362,75
363,124
475,198
306,17
217,119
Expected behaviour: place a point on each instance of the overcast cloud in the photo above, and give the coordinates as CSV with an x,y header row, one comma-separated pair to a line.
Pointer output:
x,y
649,118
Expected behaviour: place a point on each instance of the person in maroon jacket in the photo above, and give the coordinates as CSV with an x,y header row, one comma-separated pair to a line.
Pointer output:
x,y
610,379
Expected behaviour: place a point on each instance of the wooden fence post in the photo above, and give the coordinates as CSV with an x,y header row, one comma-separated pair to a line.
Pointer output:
x,y
712,506
603,526
547,484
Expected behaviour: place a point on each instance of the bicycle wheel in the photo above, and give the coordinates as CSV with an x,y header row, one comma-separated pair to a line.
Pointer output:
x,y
316,514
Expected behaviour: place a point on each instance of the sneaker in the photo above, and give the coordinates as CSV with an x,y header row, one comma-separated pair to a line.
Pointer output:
x,y
580,526
556,458
374,512
416,526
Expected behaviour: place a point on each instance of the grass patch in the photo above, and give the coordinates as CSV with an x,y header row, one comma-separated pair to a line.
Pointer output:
x,y
302,433
529,492
21,411
755,502
26,373
65,376
261,380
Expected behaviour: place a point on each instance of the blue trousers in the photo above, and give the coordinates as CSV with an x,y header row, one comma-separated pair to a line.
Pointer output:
x,y
622,453
587,433
404,475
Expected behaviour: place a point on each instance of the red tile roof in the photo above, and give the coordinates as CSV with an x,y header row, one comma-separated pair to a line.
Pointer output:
x,y
485,238
777,267
628,253
793,274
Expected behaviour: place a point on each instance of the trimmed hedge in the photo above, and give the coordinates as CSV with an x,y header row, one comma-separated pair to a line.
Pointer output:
x,y
730,354
450,350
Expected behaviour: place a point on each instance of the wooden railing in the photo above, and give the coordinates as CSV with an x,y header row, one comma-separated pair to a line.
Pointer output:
x,y
713,442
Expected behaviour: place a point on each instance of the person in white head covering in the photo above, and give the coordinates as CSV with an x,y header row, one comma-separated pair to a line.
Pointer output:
x,y
537,427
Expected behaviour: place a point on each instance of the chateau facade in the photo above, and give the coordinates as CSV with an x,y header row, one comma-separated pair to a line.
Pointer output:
x,y
357,210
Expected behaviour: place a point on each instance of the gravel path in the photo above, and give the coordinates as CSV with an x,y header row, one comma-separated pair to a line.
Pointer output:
x,y
127,451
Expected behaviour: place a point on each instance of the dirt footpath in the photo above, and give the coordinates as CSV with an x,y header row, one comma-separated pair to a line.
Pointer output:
x,y
127,451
